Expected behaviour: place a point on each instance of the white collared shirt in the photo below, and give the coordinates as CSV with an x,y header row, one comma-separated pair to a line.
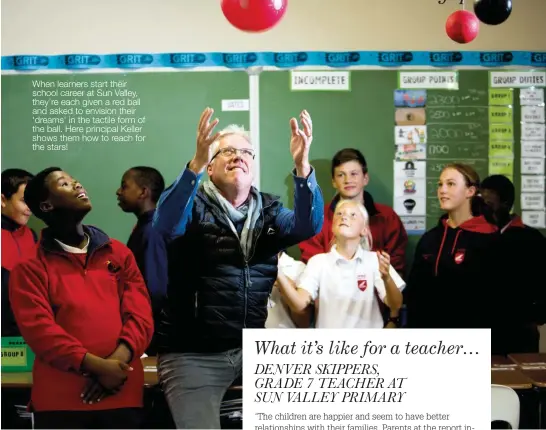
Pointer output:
x,y
344,289
278,316
73,249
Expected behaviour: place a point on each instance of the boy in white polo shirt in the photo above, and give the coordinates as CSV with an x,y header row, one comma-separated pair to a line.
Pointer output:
x,y
290,271
344,279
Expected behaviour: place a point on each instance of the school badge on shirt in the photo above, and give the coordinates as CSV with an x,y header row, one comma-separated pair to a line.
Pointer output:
x,y
459,256
361,282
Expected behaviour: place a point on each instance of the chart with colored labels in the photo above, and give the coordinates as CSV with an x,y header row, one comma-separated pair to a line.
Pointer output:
x,y
501,132
410,143
533,153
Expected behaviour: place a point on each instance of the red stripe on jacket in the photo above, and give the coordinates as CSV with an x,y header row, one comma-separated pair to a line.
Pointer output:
x,y
65,310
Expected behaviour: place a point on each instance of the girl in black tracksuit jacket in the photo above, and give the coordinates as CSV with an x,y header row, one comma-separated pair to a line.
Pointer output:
x,y
457,269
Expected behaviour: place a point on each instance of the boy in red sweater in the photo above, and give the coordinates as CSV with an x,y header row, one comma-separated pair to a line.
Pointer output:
x,y
18,240
83,308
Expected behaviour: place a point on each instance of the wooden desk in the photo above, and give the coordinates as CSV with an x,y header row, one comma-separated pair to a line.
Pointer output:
x,y
24,380
538,359
502,361
510,377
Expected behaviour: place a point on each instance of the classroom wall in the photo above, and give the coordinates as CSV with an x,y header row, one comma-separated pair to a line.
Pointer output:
x,y
114,26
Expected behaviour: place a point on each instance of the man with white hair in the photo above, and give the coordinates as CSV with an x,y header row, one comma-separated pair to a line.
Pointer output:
x,y
225,237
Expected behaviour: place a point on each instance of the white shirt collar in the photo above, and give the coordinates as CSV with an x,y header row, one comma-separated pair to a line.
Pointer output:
x,y
73,249
359,255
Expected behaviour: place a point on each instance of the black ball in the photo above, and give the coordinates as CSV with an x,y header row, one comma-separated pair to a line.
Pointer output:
x,y
493,12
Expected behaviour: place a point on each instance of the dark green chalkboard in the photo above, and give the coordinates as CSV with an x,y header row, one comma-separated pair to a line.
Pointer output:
x,y
171,102
364,118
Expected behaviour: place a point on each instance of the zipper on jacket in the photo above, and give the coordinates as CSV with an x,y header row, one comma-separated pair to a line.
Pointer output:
x,y
87,258
247,285
248,281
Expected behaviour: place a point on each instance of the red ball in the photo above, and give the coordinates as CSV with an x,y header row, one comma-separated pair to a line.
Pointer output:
x,y
254,15
462,26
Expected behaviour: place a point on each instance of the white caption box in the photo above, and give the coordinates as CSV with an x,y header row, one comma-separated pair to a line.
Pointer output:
x,y
368,378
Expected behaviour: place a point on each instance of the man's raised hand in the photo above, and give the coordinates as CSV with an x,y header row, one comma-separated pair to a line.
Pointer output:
x,y
300,143
204,141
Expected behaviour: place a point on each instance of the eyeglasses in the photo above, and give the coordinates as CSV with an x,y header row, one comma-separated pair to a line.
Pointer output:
x,y
230,152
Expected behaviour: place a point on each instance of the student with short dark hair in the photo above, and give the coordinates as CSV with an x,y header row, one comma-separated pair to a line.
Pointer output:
x,y
83,308
18,240
350,178
525,306
140,189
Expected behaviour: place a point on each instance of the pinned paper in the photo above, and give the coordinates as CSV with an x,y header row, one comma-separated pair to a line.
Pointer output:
x,y
536,219
410,116
235,105
530,131
534,149
532,184
410,169
501,132
501,97
532,166
501,166
532,114
500,115
532,201
414,224
531,96
411,152
14,356
410,187
501,149
320,81
448,80
410,134
517,79
404,206
410,98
